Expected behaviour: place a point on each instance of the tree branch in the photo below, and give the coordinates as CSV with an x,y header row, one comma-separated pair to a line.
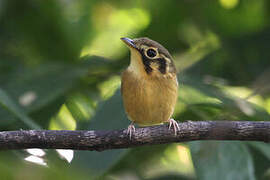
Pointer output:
x,y
115,139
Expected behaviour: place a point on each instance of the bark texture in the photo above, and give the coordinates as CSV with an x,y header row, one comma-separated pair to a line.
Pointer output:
x,y
115,139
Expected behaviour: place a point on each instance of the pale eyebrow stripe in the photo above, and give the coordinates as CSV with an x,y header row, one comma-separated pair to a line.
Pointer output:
x,y
166,58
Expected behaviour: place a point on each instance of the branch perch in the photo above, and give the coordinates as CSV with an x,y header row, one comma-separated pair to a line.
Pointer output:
x,y
115,139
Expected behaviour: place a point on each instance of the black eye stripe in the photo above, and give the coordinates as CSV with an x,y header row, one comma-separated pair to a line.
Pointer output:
x,y
162,65
147,63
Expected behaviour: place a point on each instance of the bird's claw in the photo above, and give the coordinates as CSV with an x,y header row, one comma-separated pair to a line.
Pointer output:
x,y
130,130
175,125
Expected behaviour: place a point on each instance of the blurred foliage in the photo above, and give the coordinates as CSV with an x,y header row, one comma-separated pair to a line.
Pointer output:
x,y
60,69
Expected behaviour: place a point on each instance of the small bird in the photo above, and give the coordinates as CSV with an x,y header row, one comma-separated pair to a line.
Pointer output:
x,y
149,85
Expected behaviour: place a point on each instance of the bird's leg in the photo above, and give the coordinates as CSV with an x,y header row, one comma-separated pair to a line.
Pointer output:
x,y
175,125
130,130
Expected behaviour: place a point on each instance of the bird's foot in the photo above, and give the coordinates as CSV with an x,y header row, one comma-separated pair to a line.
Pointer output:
x,y
175,125
130,130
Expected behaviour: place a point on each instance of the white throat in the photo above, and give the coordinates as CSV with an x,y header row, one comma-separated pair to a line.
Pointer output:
x,y
136,65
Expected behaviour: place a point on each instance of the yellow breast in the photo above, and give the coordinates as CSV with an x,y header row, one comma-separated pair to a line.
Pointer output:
x,y
149,100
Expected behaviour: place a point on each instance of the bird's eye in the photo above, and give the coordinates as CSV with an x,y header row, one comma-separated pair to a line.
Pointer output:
x,y
151,53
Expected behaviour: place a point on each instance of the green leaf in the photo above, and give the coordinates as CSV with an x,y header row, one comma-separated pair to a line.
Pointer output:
x,y
264,148
110,115
7,103
260,161
234,106
48,84
222,160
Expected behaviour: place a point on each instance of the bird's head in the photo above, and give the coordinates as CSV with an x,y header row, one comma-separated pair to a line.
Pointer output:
x,y
149,57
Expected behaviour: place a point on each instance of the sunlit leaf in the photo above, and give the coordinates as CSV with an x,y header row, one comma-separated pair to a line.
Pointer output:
x,y
66,154
36,152
107,41
233,105
36,160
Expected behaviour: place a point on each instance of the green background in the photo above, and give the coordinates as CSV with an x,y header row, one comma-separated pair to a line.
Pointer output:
x,y
60,67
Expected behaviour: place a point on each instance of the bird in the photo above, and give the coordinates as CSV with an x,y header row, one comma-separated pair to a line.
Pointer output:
x,y
149,85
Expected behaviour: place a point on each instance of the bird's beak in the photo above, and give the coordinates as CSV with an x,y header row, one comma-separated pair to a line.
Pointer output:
x,y
129,42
